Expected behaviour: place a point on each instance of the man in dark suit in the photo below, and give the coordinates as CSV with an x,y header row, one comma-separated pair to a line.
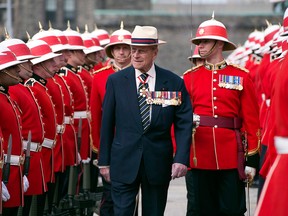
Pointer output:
x,y
136,146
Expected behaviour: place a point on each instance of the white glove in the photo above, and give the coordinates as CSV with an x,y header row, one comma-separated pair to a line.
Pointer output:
x,y
87,161
5,193
25,183
95,162
79,158
250,173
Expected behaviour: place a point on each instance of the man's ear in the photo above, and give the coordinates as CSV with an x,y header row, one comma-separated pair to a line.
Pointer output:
x,y
220,44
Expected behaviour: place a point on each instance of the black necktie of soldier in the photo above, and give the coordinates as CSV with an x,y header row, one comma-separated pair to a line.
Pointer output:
x,y
143,106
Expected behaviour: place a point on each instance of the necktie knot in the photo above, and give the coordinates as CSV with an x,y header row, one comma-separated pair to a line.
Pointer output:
x,y
144,77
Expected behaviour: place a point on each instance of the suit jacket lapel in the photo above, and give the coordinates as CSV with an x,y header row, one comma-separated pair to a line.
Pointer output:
x,y
132,97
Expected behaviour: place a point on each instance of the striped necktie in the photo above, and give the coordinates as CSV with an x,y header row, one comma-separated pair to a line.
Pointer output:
x,y
143,106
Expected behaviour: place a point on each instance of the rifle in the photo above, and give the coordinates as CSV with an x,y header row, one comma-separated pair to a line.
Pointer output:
x,y
6,169
27,155
73,169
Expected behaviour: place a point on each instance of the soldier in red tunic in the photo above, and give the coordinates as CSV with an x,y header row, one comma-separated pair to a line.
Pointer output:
x,y
86,70
119,50
44,68
224,100
11,126
76,58
31,117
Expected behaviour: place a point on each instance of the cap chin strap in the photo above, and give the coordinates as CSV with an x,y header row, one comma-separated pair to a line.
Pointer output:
x,y
25,68
48,71
12,76
91,60
210,51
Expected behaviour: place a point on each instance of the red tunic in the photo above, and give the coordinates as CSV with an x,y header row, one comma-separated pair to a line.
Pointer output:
x,y
77,88
55,91
31,121
260,87
69,135
274,196
216,147
269,129
37,85
96,100
10,124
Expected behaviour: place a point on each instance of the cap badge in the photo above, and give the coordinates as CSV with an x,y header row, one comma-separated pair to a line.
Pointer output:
x,y
201,31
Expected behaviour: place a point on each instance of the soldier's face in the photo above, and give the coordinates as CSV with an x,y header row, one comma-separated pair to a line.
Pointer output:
x,y
143,57
79,57
60,61
10,76
205,46
26,70
51,67
121,53
210,49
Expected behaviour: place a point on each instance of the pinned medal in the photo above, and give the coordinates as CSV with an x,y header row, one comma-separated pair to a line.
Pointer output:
x,y
169,98
231,82
143,91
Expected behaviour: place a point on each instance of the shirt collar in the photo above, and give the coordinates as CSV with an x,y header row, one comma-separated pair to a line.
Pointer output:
x,y
151,72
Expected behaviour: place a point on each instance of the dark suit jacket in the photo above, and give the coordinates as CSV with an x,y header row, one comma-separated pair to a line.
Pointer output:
x,y
123,143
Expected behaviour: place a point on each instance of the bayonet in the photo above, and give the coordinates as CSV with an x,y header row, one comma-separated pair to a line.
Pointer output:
x,y
27,155
6,170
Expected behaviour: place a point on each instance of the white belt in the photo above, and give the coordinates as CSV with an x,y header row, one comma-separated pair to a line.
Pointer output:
x,y
80,114
263,96
268,102
35,147
68,120
60,129
48,143
281,144
15,160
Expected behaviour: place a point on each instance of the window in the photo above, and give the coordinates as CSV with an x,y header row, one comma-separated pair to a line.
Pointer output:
x,y
69,11
50,10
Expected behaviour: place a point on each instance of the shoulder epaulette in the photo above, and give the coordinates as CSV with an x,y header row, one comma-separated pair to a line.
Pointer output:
x,y
196,67
192,69
30,82
102,69
239,67
187,71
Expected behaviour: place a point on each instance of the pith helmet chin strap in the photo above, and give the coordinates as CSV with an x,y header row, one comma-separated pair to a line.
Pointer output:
x,y
210,51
